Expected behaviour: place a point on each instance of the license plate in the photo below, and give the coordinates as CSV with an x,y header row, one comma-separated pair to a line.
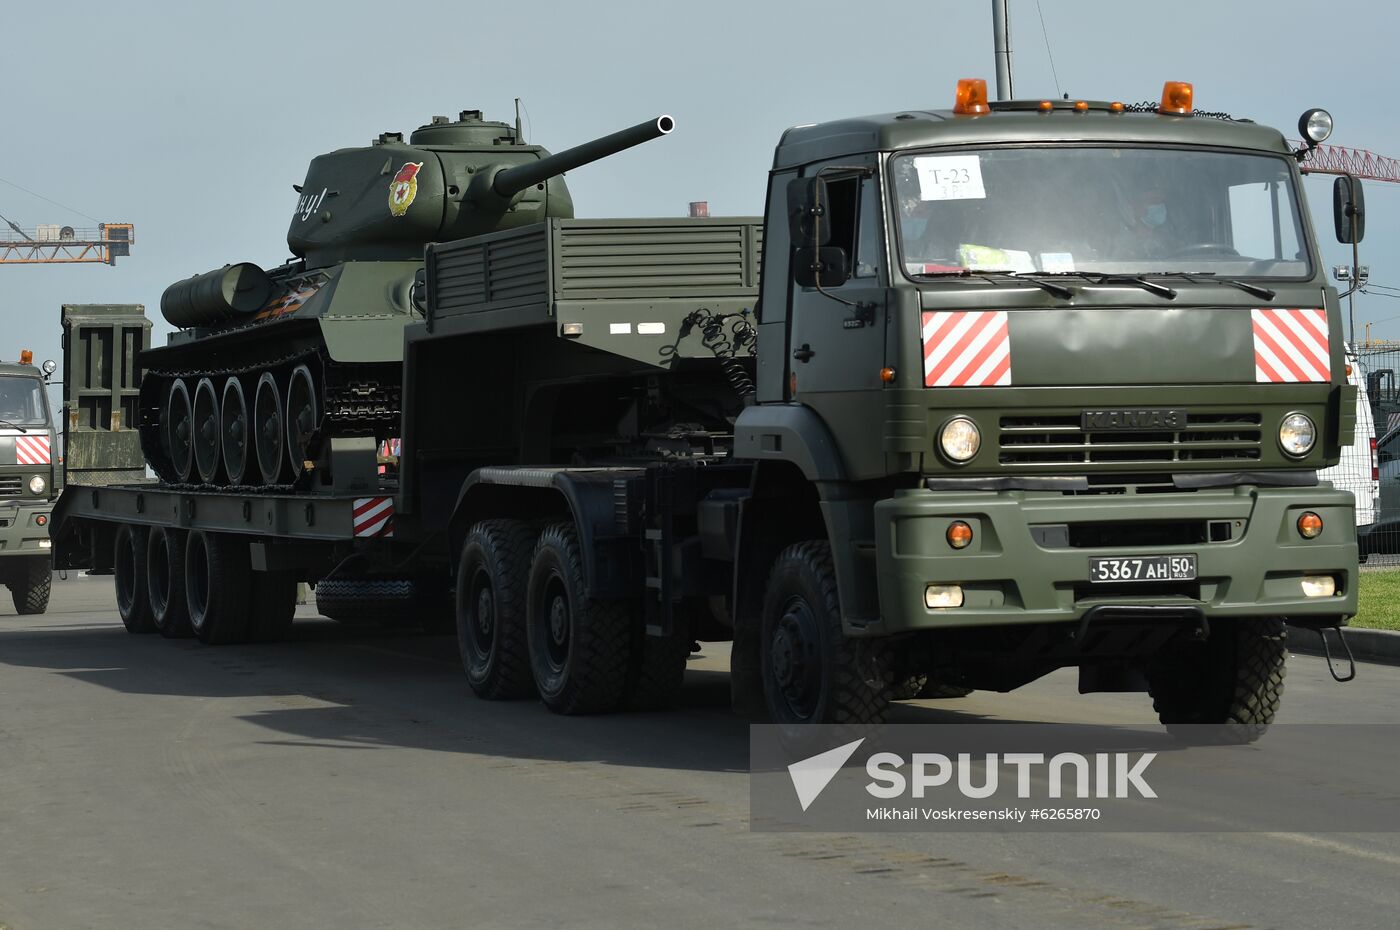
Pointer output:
x,y
1144,568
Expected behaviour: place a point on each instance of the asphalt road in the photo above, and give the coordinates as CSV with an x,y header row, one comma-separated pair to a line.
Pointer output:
x,y
350,780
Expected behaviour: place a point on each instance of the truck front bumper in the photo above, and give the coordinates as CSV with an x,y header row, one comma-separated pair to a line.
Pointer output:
x,y
1029,557
22,531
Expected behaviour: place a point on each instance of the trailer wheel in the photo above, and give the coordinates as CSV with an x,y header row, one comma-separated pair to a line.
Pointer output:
x,y
1233,679
812,673
165,582
578,644
272,606
30,589
492,576
216,587
129,567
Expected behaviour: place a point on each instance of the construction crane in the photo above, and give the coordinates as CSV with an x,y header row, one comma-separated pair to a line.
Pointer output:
x,y
51,244
1359,163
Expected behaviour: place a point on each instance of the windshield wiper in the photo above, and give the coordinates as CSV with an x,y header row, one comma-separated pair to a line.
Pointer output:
x,y
1263,293
6,424
1056,290
1161,290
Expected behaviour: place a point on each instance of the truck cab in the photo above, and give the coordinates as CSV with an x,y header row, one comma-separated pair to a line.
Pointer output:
x,y
29,483
1058,378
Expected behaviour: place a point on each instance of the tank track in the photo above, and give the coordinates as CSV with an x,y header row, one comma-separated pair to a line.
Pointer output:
x,y
356,399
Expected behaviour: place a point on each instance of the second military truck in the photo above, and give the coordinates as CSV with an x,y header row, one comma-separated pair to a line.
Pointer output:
x,y
988,392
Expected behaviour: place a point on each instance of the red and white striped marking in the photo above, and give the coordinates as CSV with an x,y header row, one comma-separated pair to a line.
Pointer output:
x,y
1290,345
970,348
374,516
31,450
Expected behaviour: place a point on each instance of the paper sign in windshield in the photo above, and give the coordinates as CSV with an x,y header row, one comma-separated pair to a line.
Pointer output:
x,y
950,177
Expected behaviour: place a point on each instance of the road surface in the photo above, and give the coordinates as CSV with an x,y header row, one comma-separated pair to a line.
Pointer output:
x,y
349,780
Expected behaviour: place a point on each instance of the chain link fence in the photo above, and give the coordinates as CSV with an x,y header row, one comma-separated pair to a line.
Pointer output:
x,y
1377,367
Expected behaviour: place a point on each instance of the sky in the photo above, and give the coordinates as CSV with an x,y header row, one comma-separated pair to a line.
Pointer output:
x,y
194,120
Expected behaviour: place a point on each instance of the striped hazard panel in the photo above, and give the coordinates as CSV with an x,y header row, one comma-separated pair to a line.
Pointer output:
x,y
32,450
374,516
970,348
1290,345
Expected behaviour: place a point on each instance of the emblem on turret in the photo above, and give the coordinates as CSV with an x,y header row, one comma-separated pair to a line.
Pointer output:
x,y
404,188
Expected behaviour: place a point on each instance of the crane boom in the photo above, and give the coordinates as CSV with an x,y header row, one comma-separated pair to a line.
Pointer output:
x,y
1360,163
55,244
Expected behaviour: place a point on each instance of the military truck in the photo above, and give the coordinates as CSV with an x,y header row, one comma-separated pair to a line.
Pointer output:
x,y
29,482
988,392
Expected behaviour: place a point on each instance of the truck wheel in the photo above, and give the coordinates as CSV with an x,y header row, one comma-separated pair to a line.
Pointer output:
x,y
658,667
812,673
272,604
129,567
921,687
30,590
1234,678
490,609
217,584
165,582
578,644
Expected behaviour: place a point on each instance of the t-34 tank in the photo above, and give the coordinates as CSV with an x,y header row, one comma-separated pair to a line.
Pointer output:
x,y
269,364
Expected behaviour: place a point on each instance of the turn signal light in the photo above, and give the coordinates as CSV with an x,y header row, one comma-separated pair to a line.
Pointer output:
x,y
1309,525
887,375
959,535
1177,97
971,97
41,520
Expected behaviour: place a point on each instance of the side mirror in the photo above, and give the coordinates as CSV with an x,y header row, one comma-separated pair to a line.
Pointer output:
x,y
820,267
1348,209
809,212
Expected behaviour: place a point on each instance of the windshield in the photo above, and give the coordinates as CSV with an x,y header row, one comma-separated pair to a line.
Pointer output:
x,y
22,401
1105,210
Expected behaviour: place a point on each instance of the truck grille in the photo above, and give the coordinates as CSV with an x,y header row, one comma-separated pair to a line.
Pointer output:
x,y
1059,440
11,485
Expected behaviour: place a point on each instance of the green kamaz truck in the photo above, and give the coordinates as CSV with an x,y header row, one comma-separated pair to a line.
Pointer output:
x,y
989,391
29,482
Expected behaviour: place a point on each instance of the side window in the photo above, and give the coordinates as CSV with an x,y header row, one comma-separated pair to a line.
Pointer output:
x,y
868,256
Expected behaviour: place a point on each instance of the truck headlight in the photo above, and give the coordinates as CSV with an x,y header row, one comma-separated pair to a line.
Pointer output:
x,y
1296,434
37,484
959,439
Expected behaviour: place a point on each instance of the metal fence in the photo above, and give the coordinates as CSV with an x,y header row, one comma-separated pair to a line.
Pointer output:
x,y
1378,365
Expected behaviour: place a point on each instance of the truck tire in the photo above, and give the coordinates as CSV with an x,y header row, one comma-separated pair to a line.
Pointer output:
x,y
217,586
272,606
129,567
812,673
165,582
30,588
492,576
657,671
578,644
1234,679
367,602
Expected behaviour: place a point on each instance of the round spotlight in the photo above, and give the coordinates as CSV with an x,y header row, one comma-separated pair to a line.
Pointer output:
x,y
1315,125
37,484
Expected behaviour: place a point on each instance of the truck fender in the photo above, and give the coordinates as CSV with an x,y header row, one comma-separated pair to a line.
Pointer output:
x,y
789,433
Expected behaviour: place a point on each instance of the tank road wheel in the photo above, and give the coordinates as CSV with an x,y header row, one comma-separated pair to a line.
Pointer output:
x,y
165,582
233,431
129,567
302,415
267,429
179,431
491,582
207,458
578,645
30,586
1234,678
272,605
812,673
217,586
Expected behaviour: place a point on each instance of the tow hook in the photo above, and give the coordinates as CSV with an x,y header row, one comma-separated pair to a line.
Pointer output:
x,y
1326,651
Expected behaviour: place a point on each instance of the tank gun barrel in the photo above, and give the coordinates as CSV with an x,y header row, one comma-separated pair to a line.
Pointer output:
x,y
511,181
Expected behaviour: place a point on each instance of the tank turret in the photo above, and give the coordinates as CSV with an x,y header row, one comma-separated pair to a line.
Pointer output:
x,y
267,364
